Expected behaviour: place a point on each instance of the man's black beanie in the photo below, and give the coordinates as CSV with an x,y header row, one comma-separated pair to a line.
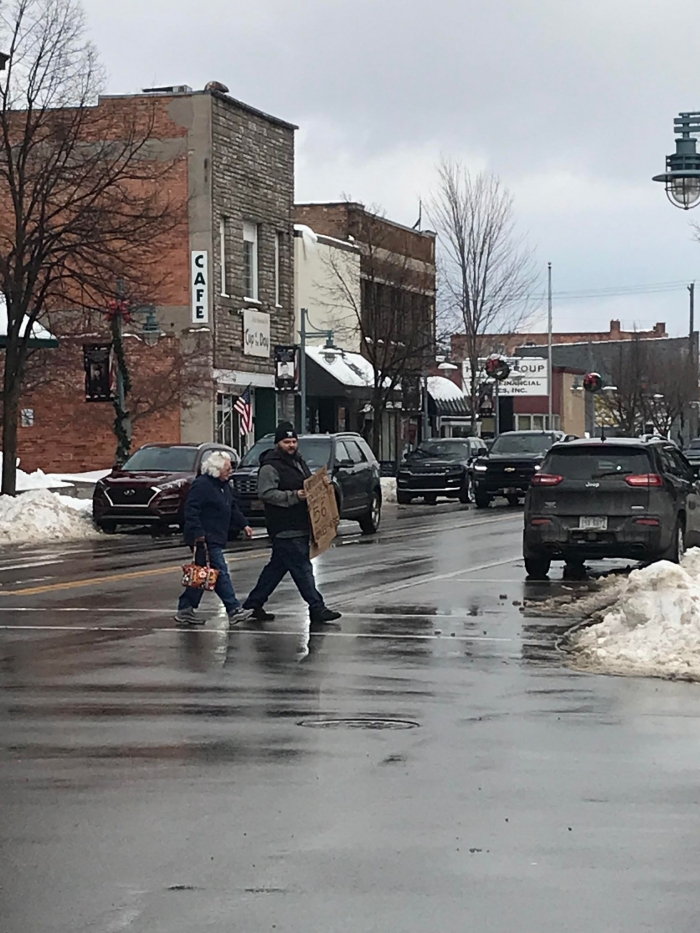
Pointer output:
x,y
284,430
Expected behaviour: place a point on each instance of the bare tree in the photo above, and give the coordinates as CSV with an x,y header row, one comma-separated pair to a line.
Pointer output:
x,y
652,387
392,312
487,270
82,196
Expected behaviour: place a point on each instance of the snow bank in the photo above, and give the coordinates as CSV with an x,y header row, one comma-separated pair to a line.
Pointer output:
x,y
40,515
653,628
388,489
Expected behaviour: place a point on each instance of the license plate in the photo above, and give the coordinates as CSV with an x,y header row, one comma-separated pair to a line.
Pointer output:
x,y
592,523
257,506
510,490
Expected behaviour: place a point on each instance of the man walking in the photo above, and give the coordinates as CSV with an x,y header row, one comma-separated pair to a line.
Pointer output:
x,y
281,488
210,511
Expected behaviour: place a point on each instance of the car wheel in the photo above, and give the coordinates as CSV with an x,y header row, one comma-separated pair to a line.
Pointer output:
x,y
537,567
676,549
482,499
513,501
369,523
108,527
466,493
403,498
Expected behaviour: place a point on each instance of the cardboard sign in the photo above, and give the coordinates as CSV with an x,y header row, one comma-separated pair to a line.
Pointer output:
x,y
323,511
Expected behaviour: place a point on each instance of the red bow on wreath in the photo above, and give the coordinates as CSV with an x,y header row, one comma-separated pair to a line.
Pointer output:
x,y
118,308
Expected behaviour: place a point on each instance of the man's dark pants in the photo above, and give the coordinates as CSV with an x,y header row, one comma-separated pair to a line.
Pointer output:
x,y
289,555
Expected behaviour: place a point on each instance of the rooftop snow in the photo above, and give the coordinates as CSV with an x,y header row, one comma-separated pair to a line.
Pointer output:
x,y
444,390
350,369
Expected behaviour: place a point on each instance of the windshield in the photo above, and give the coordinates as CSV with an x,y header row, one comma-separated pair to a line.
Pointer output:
x,y
591,463
163,460
454,450
315,450
522,444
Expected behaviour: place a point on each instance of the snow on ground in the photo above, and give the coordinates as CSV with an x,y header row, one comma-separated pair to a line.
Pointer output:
x,y
40,515
652,628
40,480
388,489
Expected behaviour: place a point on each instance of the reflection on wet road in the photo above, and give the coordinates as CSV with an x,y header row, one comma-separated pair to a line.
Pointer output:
x,y
428,764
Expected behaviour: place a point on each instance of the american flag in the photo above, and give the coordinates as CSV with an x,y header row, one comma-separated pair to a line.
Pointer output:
x,y
244,407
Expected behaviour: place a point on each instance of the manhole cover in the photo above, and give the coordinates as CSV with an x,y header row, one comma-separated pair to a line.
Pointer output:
x,y
359,724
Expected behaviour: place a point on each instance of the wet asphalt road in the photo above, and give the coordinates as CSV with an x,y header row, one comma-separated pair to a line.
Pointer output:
x,y
160,781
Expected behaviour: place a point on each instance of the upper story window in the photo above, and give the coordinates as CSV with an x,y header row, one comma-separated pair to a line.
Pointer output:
x,y
278,253
250,261
223,224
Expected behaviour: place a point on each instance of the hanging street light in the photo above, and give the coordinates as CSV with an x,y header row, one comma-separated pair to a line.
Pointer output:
x,y
682,175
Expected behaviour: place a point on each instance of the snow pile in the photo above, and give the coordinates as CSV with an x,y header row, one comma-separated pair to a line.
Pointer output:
x,y
388,489
653,628
40,480
40,515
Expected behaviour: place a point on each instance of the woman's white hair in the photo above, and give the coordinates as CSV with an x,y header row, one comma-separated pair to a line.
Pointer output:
x,y
214,463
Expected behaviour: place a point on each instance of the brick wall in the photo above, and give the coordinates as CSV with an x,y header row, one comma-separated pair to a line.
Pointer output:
x,y
253,182
72,435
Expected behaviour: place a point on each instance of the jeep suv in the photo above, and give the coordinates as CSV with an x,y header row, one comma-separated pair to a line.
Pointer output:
x,y
621,497
352,467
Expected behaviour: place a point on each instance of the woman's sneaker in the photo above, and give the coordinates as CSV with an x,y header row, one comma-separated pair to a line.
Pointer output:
x,y
239,615
188,617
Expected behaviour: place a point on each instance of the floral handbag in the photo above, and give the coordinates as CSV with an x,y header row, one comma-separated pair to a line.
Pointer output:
x,y
201,578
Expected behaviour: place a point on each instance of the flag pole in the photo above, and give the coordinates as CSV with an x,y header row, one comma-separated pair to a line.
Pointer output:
x,y
549,347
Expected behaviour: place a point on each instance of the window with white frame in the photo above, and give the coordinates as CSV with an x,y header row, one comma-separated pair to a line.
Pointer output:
x,y
536,423
278,253
250,261
223,223
227,429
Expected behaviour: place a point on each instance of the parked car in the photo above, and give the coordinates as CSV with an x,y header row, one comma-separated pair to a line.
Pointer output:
x,y
508,467
352,467
619,498
692,452
439,467
152,486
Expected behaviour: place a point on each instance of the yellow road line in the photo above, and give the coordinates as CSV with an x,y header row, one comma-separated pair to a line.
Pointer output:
x,y
113,578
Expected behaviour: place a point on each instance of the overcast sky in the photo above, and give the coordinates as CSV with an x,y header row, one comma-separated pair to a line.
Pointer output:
x,y
571,104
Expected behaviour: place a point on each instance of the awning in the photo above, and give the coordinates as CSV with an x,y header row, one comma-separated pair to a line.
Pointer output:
x,y
39,337
339,373
446,397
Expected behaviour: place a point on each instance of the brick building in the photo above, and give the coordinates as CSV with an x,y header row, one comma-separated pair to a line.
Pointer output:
x,y
397,308
509,343
225,275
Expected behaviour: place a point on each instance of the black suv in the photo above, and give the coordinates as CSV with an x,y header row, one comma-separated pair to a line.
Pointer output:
x,y
439,467
351,465
622,497
507,469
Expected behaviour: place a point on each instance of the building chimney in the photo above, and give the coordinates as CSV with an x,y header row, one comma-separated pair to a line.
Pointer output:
x,y
614,328
660,329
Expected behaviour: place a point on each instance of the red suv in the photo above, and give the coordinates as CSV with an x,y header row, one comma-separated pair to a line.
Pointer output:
x,y
152,486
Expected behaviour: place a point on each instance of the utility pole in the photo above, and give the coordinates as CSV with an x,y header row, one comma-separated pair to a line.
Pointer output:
x,y
693,362
425,429
549,347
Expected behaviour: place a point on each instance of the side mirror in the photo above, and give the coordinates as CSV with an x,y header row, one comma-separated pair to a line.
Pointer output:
x,y
345,463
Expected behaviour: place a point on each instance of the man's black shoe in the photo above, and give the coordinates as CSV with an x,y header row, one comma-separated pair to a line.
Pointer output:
x,y
324,615
260,615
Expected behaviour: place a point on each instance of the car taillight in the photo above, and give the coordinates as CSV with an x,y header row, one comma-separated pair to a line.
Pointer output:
x,y
647,521
644,479
546,479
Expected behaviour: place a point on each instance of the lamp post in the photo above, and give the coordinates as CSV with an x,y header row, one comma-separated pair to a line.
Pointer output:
x,y
682,176
303,334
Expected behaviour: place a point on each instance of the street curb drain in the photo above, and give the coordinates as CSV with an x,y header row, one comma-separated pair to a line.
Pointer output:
x,y
375,724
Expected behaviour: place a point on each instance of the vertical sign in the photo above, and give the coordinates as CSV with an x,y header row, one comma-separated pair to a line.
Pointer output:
x,y
200,287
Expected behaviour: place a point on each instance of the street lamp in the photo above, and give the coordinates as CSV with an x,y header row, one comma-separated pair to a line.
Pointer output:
x,y
682,176
304,333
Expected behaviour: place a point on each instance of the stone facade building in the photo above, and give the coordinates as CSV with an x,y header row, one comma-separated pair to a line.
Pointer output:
x,y
223,279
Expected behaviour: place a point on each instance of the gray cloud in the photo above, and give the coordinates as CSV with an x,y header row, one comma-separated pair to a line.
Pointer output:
x,y
571,104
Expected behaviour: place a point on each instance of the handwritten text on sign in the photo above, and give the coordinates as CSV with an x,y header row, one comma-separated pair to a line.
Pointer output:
x,y
323,511
256,333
